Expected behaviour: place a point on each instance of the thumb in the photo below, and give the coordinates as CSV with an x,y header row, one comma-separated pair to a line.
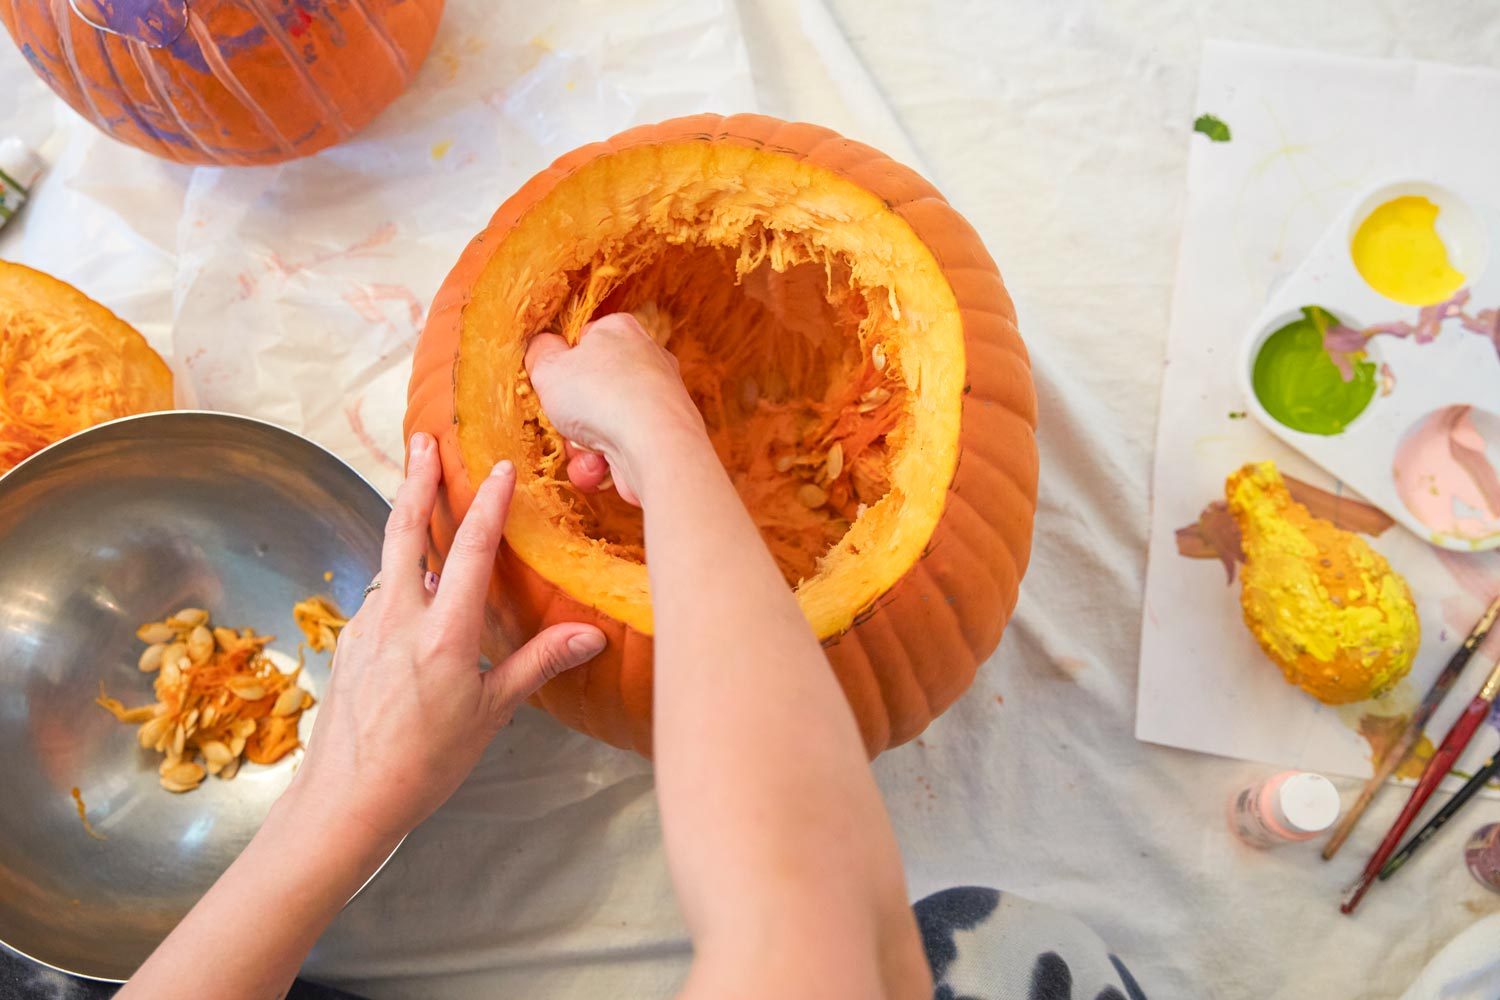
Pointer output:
x,y
549,653
541,347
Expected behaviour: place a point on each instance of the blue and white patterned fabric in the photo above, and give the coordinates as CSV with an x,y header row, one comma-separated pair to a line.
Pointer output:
x,y
986,945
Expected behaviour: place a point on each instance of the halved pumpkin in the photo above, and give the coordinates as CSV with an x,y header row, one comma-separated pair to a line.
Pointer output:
x,y
856,359
67,363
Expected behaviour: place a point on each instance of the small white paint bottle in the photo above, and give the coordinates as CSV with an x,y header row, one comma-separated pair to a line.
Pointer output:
x,y
1283,809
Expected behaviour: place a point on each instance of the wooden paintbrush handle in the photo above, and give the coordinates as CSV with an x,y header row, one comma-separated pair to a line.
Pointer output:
x,y
1453,744
1387,765
1384,768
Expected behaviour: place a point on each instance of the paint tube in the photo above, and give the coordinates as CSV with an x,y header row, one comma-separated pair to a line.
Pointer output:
x,y
19,169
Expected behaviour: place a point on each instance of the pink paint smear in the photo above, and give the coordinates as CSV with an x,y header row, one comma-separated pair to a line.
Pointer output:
x,y
1342,342
1446,477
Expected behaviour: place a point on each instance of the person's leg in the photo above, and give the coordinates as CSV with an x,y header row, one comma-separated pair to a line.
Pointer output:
x,y
983,944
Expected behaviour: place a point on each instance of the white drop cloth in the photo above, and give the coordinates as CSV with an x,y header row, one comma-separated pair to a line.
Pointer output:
x,y
1060,130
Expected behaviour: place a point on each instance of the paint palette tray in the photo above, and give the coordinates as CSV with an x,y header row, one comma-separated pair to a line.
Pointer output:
x,y
1379,359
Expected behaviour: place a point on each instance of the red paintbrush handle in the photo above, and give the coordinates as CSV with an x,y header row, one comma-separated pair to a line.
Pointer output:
x,y
1453,744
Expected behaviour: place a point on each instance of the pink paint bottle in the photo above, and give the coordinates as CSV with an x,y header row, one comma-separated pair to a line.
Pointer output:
x,y
1283,809
1482,855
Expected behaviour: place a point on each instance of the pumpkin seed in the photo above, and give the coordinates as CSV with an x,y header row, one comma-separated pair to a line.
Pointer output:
x,y
231,769
153,730
227,639
782,465
776,387
179,740
877,356
811,495
246,688
200,644
835,463
216,753
183,777
150,660
288,701
188,618
874,399
174,654
749,393
154,632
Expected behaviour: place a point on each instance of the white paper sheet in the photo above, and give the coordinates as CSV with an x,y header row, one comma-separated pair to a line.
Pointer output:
x,y
1310,134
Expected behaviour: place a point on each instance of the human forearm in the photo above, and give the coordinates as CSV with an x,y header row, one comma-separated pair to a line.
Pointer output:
x,y
761,768
250,934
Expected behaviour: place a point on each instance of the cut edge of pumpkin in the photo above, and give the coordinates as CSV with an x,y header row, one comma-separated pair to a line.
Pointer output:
x,y
707,195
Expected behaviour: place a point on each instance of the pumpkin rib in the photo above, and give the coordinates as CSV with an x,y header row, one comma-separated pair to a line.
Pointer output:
x,y
151,77
314,93
69,52
978,453
862,690
936,594
987,568
127,106
387,43
911,684
848,645
219,67
902,697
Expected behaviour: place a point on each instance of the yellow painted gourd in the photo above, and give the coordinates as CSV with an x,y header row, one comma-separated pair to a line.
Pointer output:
x,y
1324,606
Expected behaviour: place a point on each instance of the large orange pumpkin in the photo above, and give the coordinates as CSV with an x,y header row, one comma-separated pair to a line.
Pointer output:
x,y
226,81
820,299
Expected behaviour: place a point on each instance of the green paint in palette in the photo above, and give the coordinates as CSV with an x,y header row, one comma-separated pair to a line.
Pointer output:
x,y
1297,382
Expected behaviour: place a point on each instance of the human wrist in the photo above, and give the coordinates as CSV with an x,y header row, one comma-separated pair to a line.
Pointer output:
x,y
332,827
658,448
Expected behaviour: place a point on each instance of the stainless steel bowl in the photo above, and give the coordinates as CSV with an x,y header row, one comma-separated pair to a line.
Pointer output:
x,y
119,525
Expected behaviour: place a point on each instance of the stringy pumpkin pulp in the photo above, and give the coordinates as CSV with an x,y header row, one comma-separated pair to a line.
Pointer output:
x,y
66,363
790,297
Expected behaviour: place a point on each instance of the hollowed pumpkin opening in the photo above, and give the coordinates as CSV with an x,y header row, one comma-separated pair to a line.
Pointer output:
x,y
814,330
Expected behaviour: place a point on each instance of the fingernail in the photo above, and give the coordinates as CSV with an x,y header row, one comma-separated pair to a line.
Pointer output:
x,y
421,443
586,644
504,467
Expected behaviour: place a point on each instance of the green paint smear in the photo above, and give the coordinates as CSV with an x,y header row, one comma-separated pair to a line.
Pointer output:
x,y
1298,383
1211,127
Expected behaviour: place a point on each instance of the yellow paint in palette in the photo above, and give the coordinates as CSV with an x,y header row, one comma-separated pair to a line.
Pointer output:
x,y
1399,253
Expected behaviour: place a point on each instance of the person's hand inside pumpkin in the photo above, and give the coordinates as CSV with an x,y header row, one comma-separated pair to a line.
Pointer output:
x,y
609,431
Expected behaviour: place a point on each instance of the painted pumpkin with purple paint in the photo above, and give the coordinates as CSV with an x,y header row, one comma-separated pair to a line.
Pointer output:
x,y
226,81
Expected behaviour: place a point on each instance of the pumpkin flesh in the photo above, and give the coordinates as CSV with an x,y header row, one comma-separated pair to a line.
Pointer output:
x,y
66,363
804,313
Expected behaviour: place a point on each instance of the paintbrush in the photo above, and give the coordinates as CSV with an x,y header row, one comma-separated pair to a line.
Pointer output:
x,y
1453,744
1452,806
1398,751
